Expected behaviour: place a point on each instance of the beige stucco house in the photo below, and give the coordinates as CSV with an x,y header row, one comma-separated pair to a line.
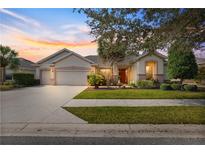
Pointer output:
x,y
66,67
133,68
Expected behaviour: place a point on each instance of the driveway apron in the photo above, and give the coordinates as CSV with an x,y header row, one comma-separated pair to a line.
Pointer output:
x,y
41,104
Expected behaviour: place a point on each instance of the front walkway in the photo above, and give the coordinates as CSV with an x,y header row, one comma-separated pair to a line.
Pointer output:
x,y
134,102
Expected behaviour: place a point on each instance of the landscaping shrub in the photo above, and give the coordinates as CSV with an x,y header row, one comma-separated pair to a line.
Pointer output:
x,y
113,81
96,80
36,82
165,86
132,84
167,81
6,87
8,83
190,87
147,84
24,79
175,86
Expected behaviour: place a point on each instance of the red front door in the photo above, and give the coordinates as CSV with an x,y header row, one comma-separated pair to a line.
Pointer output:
x,y
122,74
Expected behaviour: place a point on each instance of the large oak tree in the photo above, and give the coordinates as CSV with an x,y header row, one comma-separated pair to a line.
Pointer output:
x,y
144,29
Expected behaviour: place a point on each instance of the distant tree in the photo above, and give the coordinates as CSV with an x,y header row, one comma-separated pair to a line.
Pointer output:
x,y
8,57
181,61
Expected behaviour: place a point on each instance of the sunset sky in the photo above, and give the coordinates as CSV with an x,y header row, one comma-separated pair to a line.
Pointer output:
x,y
37,33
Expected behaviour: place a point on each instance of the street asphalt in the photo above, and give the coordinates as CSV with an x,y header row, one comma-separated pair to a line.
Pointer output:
x,y
26,140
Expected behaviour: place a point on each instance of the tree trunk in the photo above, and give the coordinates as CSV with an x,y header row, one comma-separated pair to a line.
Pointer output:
x,y
181,81
2,74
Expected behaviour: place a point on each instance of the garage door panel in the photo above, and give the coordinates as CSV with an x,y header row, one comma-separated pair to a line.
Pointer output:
x,y
45,77
71,77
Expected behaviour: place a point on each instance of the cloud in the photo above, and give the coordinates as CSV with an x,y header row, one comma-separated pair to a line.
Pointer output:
x,y
51,43
27,20
34,40
75,28
10,29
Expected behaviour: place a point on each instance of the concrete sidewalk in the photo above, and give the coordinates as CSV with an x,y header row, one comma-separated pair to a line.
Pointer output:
x,y
104,130
134,102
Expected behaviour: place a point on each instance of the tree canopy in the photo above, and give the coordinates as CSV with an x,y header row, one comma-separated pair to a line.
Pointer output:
x,y
181,61
8,57
145,29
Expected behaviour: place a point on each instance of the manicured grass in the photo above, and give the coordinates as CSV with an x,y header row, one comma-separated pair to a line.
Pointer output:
x,y
141,115
138,94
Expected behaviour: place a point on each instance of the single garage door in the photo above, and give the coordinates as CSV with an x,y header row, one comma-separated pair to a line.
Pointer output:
x,y
77,78
45,77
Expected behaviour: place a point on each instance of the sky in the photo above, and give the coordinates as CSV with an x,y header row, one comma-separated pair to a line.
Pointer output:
x,y
37,33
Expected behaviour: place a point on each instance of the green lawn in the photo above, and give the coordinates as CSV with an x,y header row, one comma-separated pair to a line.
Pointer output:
x,y
141,115
138,94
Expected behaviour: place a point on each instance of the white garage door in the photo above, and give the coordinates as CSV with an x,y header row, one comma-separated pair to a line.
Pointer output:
x,y
78,78
45,77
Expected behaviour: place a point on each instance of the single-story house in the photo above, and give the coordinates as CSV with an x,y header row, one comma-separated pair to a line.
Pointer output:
x,y
66,67
133,68
25,66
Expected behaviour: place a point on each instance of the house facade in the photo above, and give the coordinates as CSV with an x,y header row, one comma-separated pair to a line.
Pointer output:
x,y
147,66
66,67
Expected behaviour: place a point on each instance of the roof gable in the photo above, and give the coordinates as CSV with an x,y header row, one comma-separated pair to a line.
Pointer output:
x,y
56,55
152,53
60,55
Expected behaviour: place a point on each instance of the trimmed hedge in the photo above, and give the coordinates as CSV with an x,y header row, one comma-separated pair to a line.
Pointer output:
x,y
165,86
147,84
190,87
175,86
25,79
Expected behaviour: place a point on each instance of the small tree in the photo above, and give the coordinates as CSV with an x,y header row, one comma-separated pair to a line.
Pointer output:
x,y
181,61
8,57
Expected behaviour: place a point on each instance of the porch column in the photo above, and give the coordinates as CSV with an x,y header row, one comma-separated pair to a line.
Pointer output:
x,y
53,74
37,73
115,70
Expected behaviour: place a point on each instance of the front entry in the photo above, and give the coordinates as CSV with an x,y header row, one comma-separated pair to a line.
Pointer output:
x,y
123,75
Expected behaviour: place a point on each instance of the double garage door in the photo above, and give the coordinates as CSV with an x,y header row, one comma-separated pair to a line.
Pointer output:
x,y
76,78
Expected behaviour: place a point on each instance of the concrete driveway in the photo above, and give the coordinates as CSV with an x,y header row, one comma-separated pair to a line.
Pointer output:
x,y
38,105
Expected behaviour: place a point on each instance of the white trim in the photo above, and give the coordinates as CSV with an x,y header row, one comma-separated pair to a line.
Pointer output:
x,y
91,62
52,55
61,58
60,51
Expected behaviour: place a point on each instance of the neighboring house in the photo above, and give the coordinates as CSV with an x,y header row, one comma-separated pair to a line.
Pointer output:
x,y
25,66
69,68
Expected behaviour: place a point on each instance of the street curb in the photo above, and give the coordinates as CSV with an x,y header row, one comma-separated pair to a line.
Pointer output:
x,y
103,130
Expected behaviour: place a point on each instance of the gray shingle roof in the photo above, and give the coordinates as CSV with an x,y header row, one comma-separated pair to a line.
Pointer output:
x,y
92,58
26,63
200,60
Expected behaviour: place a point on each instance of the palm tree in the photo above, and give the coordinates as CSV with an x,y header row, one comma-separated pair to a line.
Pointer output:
x,y
8,57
